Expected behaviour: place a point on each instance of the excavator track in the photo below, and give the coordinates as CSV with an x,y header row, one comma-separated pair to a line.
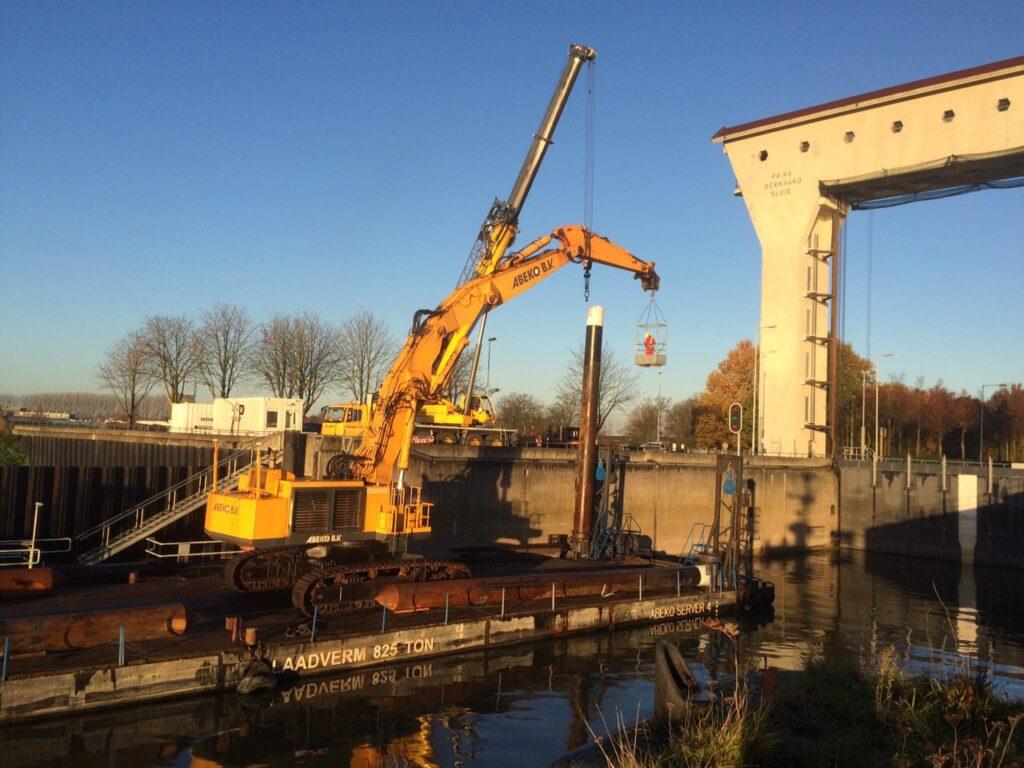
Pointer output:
x,y
266,570
347,588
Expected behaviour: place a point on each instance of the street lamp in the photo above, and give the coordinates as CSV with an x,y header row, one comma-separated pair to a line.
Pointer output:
x,y
657,430
757,356
981,436
489,340
876,359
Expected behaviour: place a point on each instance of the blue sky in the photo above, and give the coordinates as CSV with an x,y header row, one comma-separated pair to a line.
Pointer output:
x,y
156,158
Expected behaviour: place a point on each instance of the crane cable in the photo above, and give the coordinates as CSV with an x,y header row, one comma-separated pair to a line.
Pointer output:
x,y
588,173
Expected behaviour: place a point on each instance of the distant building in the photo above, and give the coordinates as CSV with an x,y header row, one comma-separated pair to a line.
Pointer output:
x,y
238,416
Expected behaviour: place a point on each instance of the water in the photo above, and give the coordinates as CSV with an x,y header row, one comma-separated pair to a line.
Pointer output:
x,y
531,704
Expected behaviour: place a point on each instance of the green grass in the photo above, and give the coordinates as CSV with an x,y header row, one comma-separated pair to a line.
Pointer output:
x,y
842,715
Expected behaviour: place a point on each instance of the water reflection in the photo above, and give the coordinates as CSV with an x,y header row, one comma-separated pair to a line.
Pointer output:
x,y
527,706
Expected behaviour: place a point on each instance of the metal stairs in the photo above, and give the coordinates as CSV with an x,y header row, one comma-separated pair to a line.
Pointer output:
x,y
696,543
143,520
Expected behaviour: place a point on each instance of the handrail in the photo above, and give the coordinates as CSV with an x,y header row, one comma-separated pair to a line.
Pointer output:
x,y
22,551
169,491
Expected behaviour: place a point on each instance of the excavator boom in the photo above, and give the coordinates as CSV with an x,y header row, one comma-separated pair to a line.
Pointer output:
x,y
422,369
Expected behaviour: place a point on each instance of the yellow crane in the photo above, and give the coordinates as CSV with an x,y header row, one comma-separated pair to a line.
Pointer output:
x,y
327,539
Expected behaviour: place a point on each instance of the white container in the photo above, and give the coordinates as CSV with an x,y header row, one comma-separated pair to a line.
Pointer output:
x,y
256,415
191,417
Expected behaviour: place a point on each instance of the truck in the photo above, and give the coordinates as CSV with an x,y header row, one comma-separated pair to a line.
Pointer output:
x,y
443,422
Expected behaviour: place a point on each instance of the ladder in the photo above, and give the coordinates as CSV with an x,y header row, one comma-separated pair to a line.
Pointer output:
x,y
152,515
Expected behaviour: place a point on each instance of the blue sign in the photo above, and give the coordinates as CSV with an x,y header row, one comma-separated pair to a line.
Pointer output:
x,y
600,473
729,483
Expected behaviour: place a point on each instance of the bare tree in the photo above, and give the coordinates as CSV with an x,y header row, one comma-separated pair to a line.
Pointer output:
x,y
298,356
225,344
458,381
617,387
521,412
125,370
173,352
367,350
646,418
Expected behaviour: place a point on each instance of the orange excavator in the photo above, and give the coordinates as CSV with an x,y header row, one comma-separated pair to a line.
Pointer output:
x,y
329,540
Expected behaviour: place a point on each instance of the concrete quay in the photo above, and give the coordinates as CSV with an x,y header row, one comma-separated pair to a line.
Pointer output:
x,y
216,667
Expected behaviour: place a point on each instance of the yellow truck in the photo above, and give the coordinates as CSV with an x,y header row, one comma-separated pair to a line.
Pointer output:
x,y
442,422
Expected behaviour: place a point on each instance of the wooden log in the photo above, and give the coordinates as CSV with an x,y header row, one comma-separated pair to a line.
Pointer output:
x,y
70,631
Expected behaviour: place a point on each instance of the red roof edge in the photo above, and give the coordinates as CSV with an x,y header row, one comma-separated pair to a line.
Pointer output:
x,y
934,80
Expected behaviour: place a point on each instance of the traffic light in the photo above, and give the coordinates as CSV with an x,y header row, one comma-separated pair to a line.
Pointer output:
x,y
735,418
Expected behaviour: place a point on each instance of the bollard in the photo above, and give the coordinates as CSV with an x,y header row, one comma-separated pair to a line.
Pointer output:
x,y
503,602
552,597
251,636
120,646
312,631
7,652
446,609
383,619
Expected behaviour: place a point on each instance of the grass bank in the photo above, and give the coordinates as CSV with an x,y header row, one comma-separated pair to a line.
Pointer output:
x,y
844,715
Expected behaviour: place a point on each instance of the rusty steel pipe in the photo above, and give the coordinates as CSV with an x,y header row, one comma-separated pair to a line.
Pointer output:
x,y
28,582
404,597
586,466
71,631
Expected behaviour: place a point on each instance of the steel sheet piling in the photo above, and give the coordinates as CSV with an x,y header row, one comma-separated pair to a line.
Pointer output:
x,y
589,404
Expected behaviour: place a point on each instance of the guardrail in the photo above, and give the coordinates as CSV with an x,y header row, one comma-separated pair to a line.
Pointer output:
x,y
26,553
186,550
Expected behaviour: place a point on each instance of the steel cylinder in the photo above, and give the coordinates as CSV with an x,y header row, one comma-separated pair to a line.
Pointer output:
x,y
68,631
589,407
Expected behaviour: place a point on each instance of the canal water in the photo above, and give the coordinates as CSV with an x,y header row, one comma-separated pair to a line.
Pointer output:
x,y
529,705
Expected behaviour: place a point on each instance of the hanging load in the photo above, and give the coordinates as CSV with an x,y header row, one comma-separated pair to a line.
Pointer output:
x,y
651,337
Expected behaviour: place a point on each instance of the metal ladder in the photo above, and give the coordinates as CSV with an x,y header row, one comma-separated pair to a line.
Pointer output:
x,y
148,517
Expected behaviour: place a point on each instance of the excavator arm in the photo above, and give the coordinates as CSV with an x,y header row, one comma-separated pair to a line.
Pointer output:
x,y
426,362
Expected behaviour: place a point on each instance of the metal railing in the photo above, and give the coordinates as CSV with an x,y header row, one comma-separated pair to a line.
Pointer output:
x,y
23,552
186,550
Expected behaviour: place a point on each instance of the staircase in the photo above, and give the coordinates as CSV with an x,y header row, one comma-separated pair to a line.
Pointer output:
x,y
137,523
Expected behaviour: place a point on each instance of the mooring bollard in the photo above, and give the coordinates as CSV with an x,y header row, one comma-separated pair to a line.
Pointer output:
x,y
446,609
383,619
503,602
7,653
312,631
120,646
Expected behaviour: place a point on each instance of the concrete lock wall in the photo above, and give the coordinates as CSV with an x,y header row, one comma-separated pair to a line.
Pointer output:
x,y
965,522
521,496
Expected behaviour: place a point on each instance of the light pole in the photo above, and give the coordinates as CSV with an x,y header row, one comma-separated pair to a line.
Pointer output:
x,y
489,340
657,436
981,435
863,410
757,357
876,359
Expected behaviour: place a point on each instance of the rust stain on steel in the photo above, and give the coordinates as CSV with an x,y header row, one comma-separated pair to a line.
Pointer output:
x,y
27,582
68,631
404,597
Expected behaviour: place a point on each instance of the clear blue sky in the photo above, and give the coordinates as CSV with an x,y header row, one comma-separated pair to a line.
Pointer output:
x,y
159,157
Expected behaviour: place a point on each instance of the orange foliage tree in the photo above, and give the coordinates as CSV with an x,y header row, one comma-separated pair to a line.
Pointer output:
x,y
731,382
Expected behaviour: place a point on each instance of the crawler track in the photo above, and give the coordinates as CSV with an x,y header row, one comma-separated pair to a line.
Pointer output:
x,y
346,588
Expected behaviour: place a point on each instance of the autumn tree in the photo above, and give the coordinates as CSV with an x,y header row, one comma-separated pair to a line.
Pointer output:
x,y
731,382
127,373
226,337
173,353
963,416
521,412
367,351
617,387
298,356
